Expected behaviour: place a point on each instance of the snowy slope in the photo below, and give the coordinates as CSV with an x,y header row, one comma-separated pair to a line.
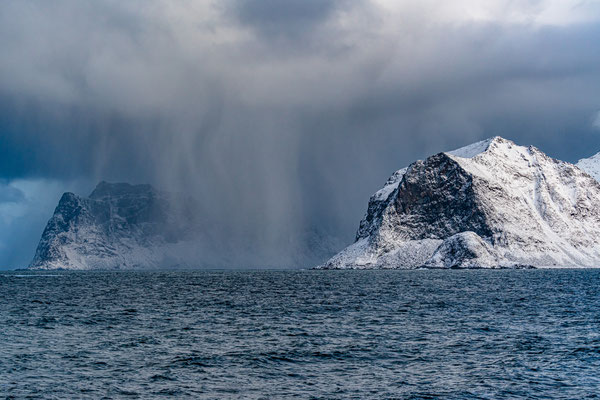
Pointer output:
x,y
491,204
119,226
591,165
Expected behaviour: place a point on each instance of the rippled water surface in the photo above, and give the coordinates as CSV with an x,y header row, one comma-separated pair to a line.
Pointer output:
x,y
304,334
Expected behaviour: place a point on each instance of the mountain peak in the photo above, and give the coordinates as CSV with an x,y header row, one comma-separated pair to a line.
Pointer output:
x,y
482,146
118,226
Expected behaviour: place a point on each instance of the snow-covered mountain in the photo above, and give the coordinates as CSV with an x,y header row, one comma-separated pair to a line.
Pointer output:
x,y
591,165
123,226
118,226
491,204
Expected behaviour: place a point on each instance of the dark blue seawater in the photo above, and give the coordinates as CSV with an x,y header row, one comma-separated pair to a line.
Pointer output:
x,y
301,334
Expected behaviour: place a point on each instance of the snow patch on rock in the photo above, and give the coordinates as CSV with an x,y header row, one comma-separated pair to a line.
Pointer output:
x,y
464,250
472,150
591,165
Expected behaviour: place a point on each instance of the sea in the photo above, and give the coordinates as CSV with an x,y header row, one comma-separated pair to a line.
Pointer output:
x,y
421,334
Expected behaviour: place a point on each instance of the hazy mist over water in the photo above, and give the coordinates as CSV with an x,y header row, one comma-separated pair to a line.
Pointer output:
x,y
279,117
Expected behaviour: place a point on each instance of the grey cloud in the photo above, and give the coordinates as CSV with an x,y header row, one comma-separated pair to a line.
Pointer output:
x,y
290,19
10,194
278,139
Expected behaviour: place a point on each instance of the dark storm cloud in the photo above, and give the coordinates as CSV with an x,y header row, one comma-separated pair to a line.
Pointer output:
x,y
292,19
281,117
265,14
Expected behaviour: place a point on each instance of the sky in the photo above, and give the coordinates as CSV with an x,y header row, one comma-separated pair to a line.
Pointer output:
x,y
280,117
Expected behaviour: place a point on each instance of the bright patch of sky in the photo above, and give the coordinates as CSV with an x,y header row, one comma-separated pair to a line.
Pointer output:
x,y
534,12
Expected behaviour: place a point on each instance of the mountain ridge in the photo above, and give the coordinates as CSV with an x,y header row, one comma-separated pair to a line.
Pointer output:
x,y
491,204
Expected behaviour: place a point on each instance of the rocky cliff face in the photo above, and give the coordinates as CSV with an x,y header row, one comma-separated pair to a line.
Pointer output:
x,y
117,226
488,205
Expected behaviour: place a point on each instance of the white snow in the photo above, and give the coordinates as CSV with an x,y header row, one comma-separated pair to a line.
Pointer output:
x,y
472,150
591,165
541,212
391,185
362,255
